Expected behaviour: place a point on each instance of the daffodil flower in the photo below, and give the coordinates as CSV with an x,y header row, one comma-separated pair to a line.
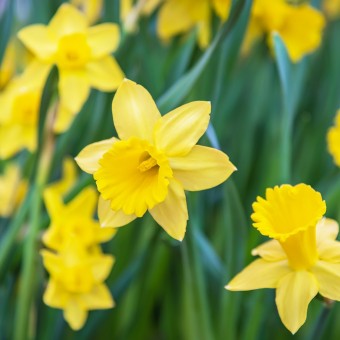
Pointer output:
x,y
331,8
304,257
333,140
154,160
74,219
7,67
299,26
12,189
91,8
76,281
81,53
180,16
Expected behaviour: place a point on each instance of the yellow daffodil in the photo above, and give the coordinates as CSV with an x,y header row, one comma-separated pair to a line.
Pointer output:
x,y
74,219
154,160
20,103
331,8
180,16
333,140
300,27
81,53
12,189
91,8
304,257
76,281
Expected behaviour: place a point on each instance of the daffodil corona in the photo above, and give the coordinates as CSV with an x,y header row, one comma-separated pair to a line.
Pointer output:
x,y
154,160
300,26
81,53
333,140
304,257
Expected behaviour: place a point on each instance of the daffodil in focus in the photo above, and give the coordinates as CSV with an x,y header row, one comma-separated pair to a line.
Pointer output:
x,y
331,8
81,53
180,16
304,257
20,104
76,282
75,219
154,160
12,189
91,8
299,26
333,140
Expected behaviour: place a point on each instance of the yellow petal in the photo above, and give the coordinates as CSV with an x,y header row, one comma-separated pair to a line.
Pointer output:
x,y
329,251
36,73
204,33
63,120
259,274
326,230
85,201
105,74
67,20
270,251
134,111
14,134
172,214
179,130
328,277
202,168
222,8
173,18
54,203
75,315
103,39
39,41
150,6
52,263
88,158
55,295
293,295
110,218
74,89
98,298
101,267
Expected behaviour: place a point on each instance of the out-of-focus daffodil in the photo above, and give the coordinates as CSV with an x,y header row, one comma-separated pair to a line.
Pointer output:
x,y
331,8
299,26
153,162
74,219
76,281
333,140
304,257
91,8
20,103
180,16
81,53
12,189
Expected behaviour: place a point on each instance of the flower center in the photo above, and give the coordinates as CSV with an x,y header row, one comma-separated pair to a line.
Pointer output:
x,y
73,51
134,176
25,109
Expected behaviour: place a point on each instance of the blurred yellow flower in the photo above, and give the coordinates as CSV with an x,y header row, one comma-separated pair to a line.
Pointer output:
x,y
91,8
304,257
76,281
331,8
74,219
180,16
81,53
333,140
12,189
300,27
20,103
154,161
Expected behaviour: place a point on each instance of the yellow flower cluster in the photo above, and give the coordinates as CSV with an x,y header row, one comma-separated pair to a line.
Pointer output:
x,y
300,26
75,261
302,260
